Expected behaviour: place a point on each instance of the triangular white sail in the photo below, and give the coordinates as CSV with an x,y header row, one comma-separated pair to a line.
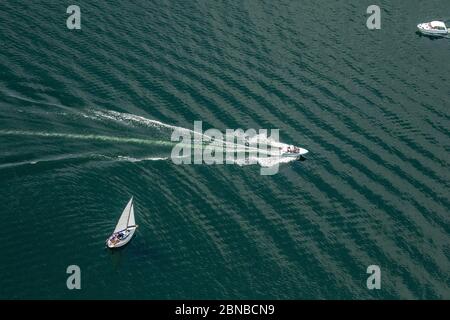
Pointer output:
x,y
126,217
131,221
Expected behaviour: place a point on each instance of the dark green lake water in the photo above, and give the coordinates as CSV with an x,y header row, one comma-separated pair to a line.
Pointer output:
x,y
77,139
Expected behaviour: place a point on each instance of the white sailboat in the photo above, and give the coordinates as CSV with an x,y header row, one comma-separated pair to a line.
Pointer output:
x,y
125,228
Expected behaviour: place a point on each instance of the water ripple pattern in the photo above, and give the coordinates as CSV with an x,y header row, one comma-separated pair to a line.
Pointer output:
x,y
84,122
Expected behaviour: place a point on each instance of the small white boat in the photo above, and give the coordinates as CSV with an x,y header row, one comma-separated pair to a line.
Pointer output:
x,y
279,149
433,28
125,228
292,151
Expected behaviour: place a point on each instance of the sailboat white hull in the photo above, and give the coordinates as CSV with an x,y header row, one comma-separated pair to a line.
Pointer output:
x,y
111,243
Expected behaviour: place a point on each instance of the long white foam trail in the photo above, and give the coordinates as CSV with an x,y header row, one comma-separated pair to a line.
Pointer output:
x,y
142,121
79,156
132,159
128,118
19,97
134,119
46,159
85,137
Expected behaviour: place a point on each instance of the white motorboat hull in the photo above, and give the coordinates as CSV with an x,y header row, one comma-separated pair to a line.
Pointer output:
x,y
291,155
112,245
297,154
425,29
433,33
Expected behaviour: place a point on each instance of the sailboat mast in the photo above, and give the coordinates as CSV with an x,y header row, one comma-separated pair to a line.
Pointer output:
x,y
129,212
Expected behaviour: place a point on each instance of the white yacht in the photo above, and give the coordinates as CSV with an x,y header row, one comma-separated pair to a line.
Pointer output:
x,y
433,28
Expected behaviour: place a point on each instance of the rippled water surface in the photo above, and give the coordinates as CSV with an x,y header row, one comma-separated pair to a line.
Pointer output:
x,y
85,120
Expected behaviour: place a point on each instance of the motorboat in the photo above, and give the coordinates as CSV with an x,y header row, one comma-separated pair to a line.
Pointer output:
x,y
433,28
293,151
